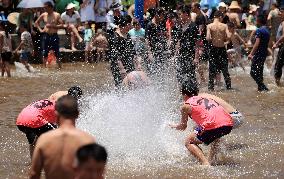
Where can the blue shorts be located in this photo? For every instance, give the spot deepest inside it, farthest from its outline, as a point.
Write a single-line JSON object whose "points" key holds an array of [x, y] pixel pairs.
{"points": [[25, 56], [50, 42]]}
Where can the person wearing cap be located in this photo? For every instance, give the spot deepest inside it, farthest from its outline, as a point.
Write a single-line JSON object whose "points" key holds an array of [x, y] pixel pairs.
{"points": [[218, 35], [72, 21], [222, 7], [53, 22], [233, 15], [259, 52], [113, 16], [55, 151], [39, 117], [211, 117]]}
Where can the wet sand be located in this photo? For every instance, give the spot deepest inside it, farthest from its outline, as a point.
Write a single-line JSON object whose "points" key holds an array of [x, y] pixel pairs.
{"points": [[256, 150]]}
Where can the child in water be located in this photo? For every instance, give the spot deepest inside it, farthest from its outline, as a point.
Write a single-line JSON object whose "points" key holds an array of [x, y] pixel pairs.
{"points": [[5, 49], [211, 114], [88, 33]]}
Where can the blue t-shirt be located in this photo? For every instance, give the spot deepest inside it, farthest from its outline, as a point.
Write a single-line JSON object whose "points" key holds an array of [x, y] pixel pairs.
{"points": [[264, 35], [138, 38]]}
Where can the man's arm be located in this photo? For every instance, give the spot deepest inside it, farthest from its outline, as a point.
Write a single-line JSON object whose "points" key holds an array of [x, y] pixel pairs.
{"points": [[40, 18], [185, 111], [281, 39], [208, 34], [19, 47], [37, 162], [255, 46], [1, 42]]}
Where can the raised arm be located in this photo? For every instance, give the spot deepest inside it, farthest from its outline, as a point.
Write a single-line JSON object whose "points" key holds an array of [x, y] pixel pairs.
{"points": [[40, 18]]}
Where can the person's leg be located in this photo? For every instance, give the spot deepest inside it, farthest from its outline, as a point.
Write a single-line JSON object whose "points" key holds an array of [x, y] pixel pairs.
{"points": [[7, 69], [278, 65], [55, 47], [73, 40], [191, 144], [45, 48], [76, 33], [256, 72], [2, 69], [224, 68], [215, 148], [212, 73]]}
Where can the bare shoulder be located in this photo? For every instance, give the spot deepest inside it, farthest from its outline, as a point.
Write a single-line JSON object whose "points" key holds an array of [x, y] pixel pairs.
{"points": [[47, 137], [185, 108]]}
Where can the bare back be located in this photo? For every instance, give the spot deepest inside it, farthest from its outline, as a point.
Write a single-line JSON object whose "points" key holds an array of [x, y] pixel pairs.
{"points": [[218, 33], [55, 151]]}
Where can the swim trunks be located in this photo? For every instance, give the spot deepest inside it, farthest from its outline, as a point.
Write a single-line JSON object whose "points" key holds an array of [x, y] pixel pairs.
{"points": [[33, 133], [208, 136]]}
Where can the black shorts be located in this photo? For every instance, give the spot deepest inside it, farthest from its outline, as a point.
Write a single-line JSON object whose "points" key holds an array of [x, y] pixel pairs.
{"points": [[33, 133], [6, 56], [209, 136]]}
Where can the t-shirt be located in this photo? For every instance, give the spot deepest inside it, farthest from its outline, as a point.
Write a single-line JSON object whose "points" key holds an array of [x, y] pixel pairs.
{"points": [[26, 38], [70, 19], [87, 13], [264, 35], [156, 34], [88, 33], [138, 38]]}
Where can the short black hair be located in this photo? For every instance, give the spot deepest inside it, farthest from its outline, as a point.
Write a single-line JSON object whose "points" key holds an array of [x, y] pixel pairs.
{"points": [[49, 4], [67, 107], [159, 11], [76, 92], [185, 9], [197, 5], [124, 20], [261, 19], [190, 89], [218, 14], [231, 25], [24, 25], [91, 151]]}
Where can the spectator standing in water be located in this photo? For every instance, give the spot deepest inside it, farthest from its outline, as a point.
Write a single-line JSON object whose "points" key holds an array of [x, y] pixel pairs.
{"points": [[187, 38], [156, 39], [55, 150], [90, 162], [5, 49], [53, 22], [218, 34], [259, 53]]}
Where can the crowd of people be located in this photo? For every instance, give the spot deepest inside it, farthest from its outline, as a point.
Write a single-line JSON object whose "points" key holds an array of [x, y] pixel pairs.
{"points": [[191, 33]]}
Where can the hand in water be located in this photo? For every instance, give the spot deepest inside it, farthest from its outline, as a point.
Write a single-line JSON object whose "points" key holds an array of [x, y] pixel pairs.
{"points": [[178, 126]]}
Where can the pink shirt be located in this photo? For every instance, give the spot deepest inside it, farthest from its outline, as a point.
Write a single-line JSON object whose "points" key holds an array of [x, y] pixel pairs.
{"points": [[37, 114], [208, 114]]}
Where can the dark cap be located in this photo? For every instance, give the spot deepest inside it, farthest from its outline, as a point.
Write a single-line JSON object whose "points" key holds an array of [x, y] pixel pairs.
{"points": [[76, 92], [115, 5]]}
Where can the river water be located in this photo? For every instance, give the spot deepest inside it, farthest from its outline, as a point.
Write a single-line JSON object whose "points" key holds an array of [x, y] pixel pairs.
{"points": [[134, 125]]}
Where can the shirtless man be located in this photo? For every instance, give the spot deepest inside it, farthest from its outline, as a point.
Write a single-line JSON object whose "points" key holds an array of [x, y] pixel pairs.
{"points": [[135, 79], [53, 22], [217, 33], [55, 151], [39, 117], [100, 44]]}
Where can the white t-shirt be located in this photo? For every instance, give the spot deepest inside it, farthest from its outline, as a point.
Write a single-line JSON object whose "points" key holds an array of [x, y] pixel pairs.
{"points": [[70, 19], [88, 13], [26, 38]]}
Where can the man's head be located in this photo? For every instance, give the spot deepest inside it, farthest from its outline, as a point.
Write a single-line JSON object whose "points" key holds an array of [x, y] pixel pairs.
{"points": [[48, 6], [70, 8], [67, 107], [189, 90], [76, 92], [274, 6], [136, 24], [90, 162], [115, 7], [184, 13], [125, 23], [218, 15], [231, 26], [196, 7], [159, 14], [261, 20]]}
